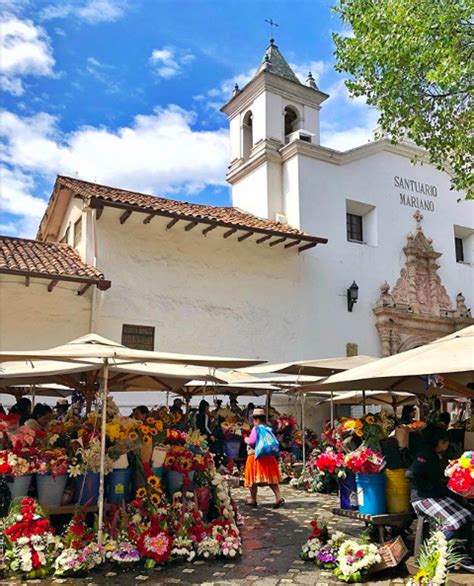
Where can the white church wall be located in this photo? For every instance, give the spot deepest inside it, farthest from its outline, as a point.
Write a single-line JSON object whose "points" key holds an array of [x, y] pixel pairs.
{"points": [[202, 294], [249, 193], [32, 318]]}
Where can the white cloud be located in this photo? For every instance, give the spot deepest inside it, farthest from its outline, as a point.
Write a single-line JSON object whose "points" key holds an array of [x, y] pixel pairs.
{"points": [[158, 153], [170, 61], [317, 68], [349, 138], [91, 11], [25, 51], [17, 195]]}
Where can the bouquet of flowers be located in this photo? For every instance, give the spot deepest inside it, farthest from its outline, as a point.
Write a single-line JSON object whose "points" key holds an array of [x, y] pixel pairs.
{"points": [[285, 421], [208, 548], [30, 543], [24, 437], [179, 459], [287, 459], [355, 559], [365, 461], [81, 553], [461, 475], [327, 555], [85, 459], [437, 557], [183, 547], [155, 545], [19, 463], [151, 431], [331, 462], [54, 462], [232, 429], [319, 536], [228, 537]]}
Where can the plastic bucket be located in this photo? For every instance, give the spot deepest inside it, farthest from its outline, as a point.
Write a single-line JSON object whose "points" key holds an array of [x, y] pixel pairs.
{"points": [[232, 449], [397, 491], [50, 490], [119, 486], [158, 472], [20, 486], [89, 484], [371, 493], [348, 493], [176, 480]]}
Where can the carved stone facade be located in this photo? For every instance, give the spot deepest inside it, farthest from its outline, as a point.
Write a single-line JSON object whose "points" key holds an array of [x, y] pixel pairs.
{"points": [[418, 310]]}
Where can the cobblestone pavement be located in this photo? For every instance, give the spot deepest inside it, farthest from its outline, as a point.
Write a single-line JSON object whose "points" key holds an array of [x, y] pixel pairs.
{"points": [[272, 543]]}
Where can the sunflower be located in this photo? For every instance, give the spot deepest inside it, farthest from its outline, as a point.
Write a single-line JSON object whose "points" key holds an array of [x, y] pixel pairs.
{"points": [[186, 465], [370, 419], [153, 481], [141, 493], [359, 433], [147, 440], [150, 420], [155, 499], [159, 425], [133, 436], [153, 431]]}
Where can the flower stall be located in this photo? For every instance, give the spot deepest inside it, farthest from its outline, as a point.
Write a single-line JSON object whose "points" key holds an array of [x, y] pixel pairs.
{"points": [[166, 501], [461, 475]]}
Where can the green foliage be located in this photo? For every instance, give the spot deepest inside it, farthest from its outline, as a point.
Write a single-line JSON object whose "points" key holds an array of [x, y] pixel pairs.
{"points": [[414, 61]]}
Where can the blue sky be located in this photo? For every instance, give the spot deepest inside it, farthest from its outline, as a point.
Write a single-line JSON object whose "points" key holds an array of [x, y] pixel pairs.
{"points": [[127, 92]]}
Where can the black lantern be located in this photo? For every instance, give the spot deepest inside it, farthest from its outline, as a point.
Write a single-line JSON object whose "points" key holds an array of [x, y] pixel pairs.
{"points": [[352, 295]]}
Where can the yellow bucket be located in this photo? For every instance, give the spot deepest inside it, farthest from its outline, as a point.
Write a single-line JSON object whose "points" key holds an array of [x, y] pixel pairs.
{"points": [[397, 490]]}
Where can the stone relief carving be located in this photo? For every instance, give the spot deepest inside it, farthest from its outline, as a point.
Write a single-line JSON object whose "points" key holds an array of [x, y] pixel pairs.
{"points": [[418, 309]]}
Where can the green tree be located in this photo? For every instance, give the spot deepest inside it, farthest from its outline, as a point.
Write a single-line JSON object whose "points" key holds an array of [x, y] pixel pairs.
{"points": [[414, 61]]}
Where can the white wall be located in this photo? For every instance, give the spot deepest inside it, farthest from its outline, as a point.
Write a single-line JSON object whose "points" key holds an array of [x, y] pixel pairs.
{"points": [[32, 318]]}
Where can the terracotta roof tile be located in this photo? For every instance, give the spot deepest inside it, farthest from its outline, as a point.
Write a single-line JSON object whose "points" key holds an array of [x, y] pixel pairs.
{"points": [[48, 259], [228, 215]]}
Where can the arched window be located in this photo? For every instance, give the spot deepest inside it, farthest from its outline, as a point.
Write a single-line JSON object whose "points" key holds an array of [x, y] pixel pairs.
{"points": [[247, 134], [291, 120]]}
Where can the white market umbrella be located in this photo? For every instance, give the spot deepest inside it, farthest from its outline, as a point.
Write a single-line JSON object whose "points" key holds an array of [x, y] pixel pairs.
{"points": [[316, 367], [95, 346], [451, 357]]}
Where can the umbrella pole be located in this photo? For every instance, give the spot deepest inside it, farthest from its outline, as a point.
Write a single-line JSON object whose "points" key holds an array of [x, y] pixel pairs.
{"points": [[33, 395], [104, 384], [303, 401], [364, 405], [267, 405], [332, 409]]}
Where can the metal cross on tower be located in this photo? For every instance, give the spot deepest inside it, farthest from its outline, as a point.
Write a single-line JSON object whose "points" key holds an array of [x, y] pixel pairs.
{"points": [[272, 24]]}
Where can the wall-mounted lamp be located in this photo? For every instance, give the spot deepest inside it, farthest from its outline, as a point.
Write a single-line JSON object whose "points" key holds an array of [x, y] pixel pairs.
{"points": [[352, 295]]}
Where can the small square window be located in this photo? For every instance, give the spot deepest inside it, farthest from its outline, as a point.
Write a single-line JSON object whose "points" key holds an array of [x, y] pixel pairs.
{"points": [[354, 227], [459, 245], [138, 337], [77, 231]]}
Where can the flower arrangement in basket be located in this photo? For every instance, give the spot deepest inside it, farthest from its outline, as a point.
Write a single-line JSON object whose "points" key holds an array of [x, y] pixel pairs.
{"points": [[30, 544], [461, 475], [365, 461], [354, 560]]}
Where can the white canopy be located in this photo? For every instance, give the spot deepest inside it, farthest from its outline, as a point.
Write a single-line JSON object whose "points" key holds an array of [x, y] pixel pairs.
{"points": [[95, 346], [321, 367], [452, 357]]}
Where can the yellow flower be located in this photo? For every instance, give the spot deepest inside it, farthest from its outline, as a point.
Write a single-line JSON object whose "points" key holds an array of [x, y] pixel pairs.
{"points": [[350, 424], [159, 425], [155, 499], [153, 431], [147, 440], [465, 462], [359, 433], [150, 420], [370, 419], [153, 481], [133, 436], [141, 493], [420, 577]]}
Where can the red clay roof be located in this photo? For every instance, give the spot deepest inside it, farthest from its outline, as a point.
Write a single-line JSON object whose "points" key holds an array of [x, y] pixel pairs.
{"points": [[226, 216], [46, 259]]}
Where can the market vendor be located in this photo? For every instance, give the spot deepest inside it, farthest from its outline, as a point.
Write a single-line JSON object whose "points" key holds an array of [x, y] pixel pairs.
{"points": [[141, 413], [203, 421], [41, 416], [430, 496], [22, 408]]}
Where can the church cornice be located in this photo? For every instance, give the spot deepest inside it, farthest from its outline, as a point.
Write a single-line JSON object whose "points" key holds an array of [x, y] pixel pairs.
{"points": [[266, 81], [322, 153], [263, 152]]}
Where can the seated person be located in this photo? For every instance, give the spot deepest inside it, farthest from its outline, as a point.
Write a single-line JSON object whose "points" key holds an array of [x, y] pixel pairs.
{"points": [[41, 416], [141, 413], [430, 496]]}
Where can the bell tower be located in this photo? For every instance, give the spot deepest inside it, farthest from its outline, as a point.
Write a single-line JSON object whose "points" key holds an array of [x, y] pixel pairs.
{"points": [[271, 111]]}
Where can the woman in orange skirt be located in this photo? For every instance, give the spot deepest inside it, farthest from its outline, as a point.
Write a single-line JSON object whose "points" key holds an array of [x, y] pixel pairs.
{"points": [[263, 471]]}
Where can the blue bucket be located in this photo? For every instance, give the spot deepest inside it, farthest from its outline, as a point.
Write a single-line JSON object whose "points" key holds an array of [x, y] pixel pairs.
{"points": [[90, 492], [348, 493], [119, 486], [232, 448], [371, 494]]}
